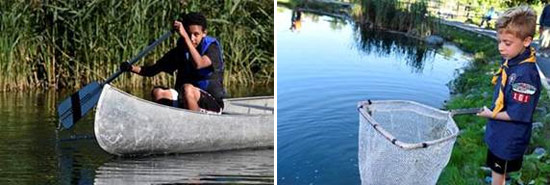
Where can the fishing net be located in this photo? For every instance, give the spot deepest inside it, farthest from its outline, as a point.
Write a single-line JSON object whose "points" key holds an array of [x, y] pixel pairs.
{"points": [[403, 142]]}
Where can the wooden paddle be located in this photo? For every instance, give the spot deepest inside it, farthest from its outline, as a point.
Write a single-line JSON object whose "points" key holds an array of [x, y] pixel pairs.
{"points": [[81, 102]]}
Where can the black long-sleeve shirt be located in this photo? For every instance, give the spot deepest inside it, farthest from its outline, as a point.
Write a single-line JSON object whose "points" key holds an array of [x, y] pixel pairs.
{"points": [[187, 72]]}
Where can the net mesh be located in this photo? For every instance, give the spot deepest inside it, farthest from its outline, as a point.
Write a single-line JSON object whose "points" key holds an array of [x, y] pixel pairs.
{"points": [[422, 137]]}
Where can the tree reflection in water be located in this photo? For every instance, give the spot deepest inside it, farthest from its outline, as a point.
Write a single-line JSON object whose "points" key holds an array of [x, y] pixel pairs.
{"points": [[381, 43]]}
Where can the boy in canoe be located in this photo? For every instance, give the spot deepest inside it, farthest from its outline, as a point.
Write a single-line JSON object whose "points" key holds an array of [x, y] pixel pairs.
{"points": [[516, 93], [197, 58]]}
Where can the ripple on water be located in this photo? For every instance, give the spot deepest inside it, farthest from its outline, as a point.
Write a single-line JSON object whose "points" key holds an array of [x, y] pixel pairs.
{"points": [[246, 166]]}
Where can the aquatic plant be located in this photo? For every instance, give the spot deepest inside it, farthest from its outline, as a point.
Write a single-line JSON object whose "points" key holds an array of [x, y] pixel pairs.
{"points": [[67, 44]]}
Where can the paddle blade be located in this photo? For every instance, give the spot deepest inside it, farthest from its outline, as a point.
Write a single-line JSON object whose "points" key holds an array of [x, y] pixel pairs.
{"points": [[78, 104]]}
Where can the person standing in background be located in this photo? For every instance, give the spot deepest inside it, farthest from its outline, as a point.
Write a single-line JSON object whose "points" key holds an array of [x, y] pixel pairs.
{"points": [[544, 29]]}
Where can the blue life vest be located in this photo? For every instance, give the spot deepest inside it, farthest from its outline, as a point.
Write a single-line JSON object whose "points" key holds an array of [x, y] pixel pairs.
{"points": [[209, 73]]}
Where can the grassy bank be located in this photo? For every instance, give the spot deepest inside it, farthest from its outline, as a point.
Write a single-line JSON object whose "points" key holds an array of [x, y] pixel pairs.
{"points": [[473, 89], [66, 44]]}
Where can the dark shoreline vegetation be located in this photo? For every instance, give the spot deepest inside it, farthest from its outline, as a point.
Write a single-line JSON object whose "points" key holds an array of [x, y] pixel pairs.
{"points": [[68, 44], [471, 88], [409, 18]]}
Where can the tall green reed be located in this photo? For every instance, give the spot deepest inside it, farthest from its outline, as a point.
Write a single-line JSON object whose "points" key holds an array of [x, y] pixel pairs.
{"points": [[67, 44]]}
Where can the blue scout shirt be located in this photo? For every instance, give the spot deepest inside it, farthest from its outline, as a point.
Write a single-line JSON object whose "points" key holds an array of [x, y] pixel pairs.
{"points": [[509, 139]]}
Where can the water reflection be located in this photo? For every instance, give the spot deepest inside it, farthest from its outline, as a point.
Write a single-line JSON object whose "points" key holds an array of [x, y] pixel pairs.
{"points": [[414, 51], [296, 20], [33, 152], [231, 167], [76, 161], [337, 21]]}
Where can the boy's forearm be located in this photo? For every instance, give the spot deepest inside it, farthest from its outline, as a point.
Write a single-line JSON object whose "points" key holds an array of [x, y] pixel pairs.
{"points": [[500, 116], [503, 116], [139, 70], [199, 61]]}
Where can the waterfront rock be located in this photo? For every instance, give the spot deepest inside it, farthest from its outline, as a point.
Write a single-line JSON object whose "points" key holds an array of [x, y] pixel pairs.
{"points": [[537, 125], [539, 152], [486, 170], [434, 39], [541, 109]]}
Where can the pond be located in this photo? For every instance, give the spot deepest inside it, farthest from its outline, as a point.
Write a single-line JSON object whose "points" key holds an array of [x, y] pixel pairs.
{"points": [[325, 65], [33, 151]]}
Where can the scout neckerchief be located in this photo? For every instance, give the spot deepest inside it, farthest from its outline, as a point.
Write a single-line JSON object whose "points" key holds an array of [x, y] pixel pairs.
{"points": [[499, 103]]}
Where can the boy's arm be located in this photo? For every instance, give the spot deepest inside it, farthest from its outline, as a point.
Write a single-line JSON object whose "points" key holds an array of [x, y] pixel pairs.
{"points": [[199, 61], [164, 64], [489, 114], [521, 98]]}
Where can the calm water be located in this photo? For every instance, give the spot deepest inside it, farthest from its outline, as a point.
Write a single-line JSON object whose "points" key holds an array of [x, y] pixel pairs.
{"points": [[326, 67], [33, 152]]}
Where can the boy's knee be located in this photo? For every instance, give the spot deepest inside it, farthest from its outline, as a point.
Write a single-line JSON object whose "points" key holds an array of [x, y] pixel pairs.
{"points": [[188, 87], [159, 93], [188, 90], [155, 93]]}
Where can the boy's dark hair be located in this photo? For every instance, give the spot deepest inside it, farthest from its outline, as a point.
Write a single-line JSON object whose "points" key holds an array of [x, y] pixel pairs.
{"points": [[193, 18]]}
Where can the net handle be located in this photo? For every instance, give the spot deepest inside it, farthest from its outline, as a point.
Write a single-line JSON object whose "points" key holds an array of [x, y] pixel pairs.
{"points": [[456, 112], [395, 141]]}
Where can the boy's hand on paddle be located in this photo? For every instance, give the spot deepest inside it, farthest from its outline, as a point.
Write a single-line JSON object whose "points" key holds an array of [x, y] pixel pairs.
{"points": [[486, 112], [178, 26], [125, 66]]}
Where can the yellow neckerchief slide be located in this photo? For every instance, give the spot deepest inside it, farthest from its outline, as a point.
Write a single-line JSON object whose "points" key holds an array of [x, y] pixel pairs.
{"points": [[499, 103]]}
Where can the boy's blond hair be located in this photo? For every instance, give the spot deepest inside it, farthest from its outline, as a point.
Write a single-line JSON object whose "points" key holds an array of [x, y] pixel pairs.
{"points": [[519, 21]]}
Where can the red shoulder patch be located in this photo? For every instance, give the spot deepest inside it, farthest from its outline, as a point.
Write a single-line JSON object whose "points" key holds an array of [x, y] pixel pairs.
{"points": [[520, 97]]}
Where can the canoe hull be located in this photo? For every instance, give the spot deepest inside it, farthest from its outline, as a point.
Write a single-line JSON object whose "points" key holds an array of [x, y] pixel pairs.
{"points": [[125, 124]]}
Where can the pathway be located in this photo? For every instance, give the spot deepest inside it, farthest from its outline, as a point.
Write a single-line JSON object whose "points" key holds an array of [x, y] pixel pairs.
{"points": [[543, 63]]}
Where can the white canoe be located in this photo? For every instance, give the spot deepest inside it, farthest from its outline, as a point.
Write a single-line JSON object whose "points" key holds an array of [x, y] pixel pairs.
{"points": [[125, 124]]}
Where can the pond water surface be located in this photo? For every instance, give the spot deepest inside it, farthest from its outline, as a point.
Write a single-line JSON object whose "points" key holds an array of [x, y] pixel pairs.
{"points": [[324, 67], [33, 151]]}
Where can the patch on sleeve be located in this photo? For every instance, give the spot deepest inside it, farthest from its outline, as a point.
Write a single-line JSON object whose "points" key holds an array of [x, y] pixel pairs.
{"points": [[524, 88], [512, 78], [522, 92], [522, 98]]}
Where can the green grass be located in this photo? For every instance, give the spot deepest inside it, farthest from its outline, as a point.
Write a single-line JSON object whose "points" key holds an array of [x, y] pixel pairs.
{"points": [[67, 44]]}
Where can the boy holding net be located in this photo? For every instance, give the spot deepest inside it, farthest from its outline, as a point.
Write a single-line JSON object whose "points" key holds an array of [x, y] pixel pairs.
{"points": [[516, 93]]}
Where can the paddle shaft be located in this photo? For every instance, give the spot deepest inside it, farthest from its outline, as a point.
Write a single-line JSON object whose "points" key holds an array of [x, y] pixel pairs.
{"points": [[140, 55], [81, 102], [455, 112]]}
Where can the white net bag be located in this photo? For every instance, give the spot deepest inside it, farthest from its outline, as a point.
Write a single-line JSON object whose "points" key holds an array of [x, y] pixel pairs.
{"points": [[403, 142]]}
